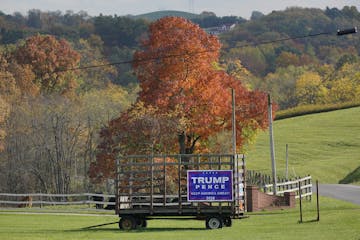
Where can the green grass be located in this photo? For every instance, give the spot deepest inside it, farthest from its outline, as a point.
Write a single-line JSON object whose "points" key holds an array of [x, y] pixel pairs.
{"points": [[324, 145], [338, 220]]}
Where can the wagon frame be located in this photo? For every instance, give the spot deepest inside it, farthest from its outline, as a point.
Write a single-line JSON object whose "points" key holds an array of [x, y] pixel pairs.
{"points": [[155, 186]]}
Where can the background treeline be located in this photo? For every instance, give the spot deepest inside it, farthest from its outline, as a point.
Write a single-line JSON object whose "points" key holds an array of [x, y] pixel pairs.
{"points": [[312, 70], [283, 68], [50, 118]]}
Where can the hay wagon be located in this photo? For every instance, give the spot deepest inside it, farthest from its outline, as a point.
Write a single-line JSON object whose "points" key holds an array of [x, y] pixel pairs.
{"points": [[207, 187]]}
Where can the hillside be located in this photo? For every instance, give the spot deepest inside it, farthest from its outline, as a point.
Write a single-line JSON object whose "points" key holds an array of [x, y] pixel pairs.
{"points": [[325, 145], [160, 14]]}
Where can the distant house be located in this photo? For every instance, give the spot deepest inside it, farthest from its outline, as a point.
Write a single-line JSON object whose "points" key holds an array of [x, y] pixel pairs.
{"points": [[220, 29]]}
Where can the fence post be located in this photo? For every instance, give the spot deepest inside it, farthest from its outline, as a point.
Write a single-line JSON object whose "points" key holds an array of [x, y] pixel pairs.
{"points": [[287, 162], [317, 201], [300, 198], [310, 188], [89, 199]]}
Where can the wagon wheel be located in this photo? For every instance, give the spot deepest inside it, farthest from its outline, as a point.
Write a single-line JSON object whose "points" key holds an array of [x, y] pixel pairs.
{"points": [[227, 221], [127, 223], [141, 222], [213, 222]]}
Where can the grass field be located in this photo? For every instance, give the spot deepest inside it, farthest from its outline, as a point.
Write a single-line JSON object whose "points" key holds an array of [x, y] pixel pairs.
{"points": [[338, 220], [325, 145]]}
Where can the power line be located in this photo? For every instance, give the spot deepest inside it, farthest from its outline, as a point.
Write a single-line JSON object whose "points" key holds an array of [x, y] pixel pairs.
{"points": [[135, 61], [284, 39], [339, 33]]}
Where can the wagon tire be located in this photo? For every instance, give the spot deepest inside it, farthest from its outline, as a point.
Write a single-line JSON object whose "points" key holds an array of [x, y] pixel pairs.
{"points": [[141, 222], [227, 221], [213, 222], [127, 223]]}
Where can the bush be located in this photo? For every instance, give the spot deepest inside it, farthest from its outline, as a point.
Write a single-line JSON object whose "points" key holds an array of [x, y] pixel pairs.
{"points": [[311, 109]]}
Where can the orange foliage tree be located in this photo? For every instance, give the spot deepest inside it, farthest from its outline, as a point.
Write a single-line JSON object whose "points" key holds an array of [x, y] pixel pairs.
{"points": [[48, 59], [183, 95], [32, 68]]}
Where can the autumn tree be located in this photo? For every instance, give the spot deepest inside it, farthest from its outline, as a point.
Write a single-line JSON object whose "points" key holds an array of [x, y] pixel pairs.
{"points": [[252, 58], [286, 59], [4, 111], [34, 68], [99, 106], [39, 65], [310, 89], [91, 51], [282, 85], [235, 69], [344, 83], [13, 81], [179, 82], [183, 80], [48, 58], [42, 145], [10, 72]]}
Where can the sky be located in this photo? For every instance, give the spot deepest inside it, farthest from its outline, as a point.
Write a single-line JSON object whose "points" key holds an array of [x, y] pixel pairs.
{"points": [[242, 8]]}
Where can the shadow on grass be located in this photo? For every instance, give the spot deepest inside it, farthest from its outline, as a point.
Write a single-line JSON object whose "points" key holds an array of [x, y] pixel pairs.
{"points": [[309, 221], [354, 176], [97, 228], [267, 213], [140, 230]]}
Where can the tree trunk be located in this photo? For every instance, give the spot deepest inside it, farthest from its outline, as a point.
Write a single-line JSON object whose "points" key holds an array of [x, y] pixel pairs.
{"points": [[182, 143], [187, 146]]}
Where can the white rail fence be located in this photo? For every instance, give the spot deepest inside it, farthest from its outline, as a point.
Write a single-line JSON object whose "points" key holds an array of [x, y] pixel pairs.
{"points": [[292, 186], [265, 183], [43, 199], [107, 201]]}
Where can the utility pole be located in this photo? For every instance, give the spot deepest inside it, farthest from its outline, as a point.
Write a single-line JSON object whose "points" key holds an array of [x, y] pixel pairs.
{"points": [[233, 121], [272, 147], [287, 162]]}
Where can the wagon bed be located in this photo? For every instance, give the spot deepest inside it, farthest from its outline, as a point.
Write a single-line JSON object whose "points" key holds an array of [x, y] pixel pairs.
{"points": [[151, 186]]}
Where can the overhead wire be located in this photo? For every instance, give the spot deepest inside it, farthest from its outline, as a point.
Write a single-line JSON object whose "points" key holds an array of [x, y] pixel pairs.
{"points": [[339, 32], [195, 53], [134, 61]]}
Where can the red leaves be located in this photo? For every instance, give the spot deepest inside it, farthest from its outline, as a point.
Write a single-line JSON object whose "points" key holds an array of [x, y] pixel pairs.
{"points": [[182, 80], [48, 58]]}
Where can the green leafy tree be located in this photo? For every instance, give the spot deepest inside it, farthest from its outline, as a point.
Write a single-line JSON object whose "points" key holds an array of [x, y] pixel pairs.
{"points": [[282, 85], [310, 89], [92, 54], [119, 31]]}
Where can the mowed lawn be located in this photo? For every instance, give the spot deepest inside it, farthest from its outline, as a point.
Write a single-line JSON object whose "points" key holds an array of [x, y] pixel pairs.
{"points": [[339, 220], [325, 146]]}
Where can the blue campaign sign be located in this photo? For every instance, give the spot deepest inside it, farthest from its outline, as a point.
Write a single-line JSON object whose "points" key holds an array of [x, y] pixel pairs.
{"points": [[209, 185]]}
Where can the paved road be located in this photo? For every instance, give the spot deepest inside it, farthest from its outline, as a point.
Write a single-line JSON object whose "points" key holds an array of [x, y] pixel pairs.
{"points": [[344, 192]]}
